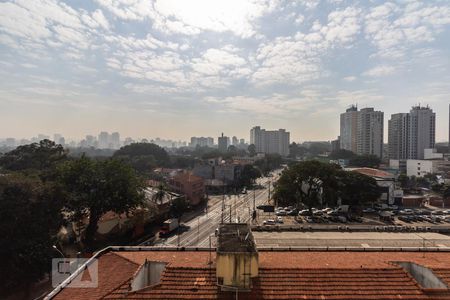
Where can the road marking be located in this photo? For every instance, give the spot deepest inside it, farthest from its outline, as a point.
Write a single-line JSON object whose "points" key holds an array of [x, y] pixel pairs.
{"points": [[365, 245]]}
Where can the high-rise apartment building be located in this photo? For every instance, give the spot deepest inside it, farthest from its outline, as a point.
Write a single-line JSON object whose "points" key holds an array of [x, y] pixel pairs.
{"points": [[422, 131], [362, 131], [201, 142], [349, 127], [270, 141], [235, 141], [103, 140], [223, 143], [114, 142], [411, 133], [398, 136], [370, 132]]}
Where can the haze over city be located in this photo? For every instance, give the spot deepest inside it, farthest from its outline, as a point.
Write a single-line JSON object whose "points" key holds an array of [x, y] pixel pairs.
{"points": [[176, 69]]}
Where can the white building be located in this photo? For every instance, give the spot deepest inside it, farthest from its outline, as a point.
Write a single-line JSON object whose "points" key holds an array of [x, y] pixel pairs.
{"points": [[270, 141], [398, 133], [370, 131], [349, 127], [422, 131], [201, 142], [223, 143]]}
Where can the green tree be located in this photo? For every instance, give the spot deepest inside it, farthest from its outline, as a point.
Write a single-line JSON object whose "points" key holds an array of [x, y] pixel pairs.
{"points": [[30, 217], [251, 150], [143, 157], [369, 161], [178, 206], [403, 180], [295, 150], [342, 154], [38, 156], [357, 189], [269, 163], [310, 183], [96, 187], [161, 193], [248, 175]]}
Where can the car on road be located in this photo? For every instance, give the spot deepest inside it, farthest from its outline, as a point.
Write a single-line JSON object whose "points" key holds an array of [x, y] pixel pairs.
{"points": [[269, 222]]}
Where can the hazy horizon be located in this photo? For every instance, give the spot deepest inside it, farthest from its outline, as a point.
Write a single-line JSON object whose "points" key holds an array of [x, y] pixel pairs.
{"points": [[175, 69]]}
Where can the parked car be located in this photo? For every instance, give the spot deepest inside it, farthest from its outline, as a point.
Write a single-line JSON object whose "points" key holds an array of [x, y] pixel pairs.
{"points": [[369, 210], [279, 220], [269, 222], [406, 211], [281, 213], [309, 219]]}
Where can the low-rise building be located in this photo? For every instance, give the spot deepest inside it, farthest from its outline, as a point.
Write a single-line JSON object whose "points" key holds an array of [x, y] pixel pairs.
{"points": [[190, 185], [385, 181], [237, 269]]}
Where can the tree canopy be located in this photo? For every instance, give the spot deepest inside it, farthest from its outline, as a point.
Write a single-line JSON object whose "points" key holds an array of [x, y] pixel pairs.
{"points": [[369, 161], [248, 175], [143, 157], [30, 217], [96, 187], [38, 156], [313, 183], [269, 163]]}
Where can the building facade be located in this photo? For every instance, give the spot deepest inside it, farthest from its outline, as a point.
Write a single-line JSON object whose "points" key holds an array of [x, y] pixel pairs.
{"points": [[223, 143], [422, 131], [270, 141], [370, 131], [193, 187], [398, 136], [349, 127]]}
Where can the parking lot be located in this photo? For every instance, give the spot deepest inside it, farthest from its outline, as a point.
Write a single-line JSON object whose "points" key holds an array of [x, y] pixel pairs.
{"points": [[350, 239], [369, 216]]}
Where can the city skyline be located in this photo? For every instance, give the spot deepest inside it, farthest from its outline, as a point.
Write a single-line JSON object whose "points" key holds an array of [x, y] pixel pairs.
{"points": [[172, 69]]}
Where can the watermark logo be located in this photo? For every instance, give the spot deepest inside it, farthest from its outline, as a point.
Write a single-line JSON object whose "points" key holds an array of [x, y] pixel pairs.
{"points": [[86, 274]]}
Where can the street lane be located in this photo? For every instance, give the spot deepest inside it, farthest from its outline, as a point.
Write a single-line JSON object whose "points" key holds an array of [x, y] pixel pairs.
{"points": [[204, 226]]}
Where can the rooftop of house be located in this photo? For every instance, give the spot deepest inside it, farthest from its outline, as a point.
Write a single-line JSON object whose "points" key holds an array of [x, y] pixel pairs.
{"points": [[187, 177], [282, 275], [235, 237], [373, 172]]}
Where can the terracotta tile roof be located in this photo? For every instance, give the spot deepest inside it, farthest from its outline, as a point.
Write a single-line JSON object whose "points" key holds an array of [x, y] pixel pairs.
{"points": [[373, 172], [282, 275], [187, 177], [113, 271]]}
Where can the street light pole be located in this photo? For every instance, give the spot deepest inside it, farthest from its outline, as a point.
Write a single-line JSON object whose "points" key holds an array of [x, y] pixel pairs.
{"points": [[56, 248]]}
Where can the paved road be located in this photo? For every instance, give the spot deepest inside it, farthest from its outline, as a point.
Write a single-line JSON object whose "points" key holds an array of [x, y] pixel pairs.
{"points": [[204, 226], [351, 239]]}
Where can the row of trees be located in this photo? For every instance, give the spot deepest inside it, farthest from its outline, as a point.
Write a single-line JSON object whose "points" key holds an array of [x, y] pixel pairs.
{"points": [[41, 188], [370, 161], [313, 184]]}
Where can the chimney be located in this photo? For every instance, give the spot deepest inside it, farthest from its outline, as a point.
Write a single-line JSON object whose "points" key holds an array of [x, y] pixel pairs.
{"points": [[237, 257]]}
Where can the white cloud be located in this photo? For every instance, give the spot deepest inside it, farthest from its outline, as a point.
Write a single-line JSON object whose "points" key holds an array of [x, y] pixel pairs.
{"points": [[380, 71], [99, 17], [350, 78], [193, 17]]}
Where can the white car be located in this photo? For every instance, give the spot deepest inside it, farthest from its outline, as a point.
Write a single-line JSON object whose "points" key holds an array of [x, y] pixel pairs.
{"points": [[269, 222], [280, 220]]}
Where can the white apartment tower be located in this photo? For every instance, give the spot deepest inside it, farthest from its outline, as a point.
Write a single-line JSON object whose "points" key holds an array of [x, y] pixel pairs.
{"points": [[398, 136], [370, 132], [422, 131], [270, 141], [349, 127]]}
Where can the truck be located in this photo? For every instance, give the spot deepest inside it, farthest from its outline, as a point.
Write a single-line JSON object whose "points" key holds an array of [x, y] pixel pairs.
{"points": [[168, 227]]}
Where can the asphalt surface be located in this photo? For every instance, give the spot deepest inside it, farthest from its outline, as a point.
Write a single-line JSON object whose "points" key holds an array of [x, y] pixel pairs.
{"points": [[202, 227], [350, 239]]}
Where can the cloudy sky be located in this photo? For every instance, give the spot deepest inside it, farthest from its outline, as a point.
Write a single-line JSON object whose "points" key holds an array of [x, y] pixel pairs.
{"points": [[177, 68]]}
